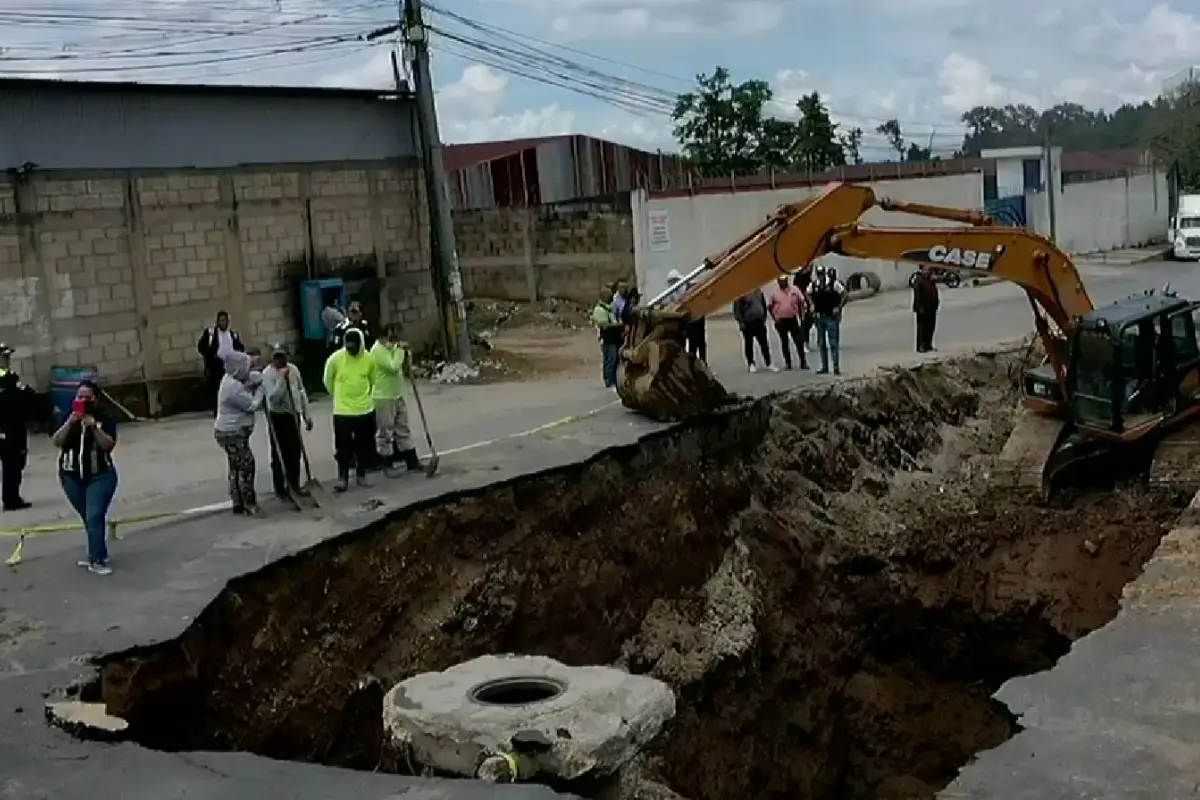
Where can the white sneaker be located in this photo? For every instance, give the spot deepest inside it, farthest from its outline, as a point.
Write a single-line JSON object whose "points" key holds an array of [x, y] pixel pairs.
{"points": [[773, 368], [99, 569], [753, 368]]}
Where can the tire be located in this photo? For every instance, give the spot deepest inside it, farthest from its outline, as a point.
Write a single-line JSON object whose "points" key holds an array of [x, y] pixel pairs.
{"points": [[953, 280]]}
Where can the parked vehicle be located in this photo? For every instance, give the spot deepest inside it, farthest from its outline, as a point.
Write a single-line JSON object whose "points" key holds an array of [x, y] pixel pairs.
{"points": [[945, 276], [1184, 233]]}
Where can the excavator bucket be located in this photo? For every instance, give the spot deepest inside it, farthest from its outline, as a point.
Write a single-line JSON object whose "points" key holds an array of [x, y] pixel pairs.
{"points": [[658, 378]]}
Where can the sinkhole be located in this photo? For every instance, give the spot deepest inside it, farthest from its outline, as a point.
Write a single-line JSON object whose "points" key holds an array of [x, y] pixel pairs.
{"points": [[830, 583]]}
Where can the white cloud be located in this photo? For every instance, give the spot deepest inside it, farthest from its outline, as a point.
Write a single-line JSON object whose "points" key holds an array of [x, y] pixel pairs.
{"points": [[592, 19]]}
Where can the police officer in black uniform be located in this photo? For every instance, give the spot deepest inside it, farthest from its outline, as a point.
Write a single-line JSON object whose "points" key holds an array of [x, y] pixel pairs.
{"points": [[17, 406], [354, 319]]}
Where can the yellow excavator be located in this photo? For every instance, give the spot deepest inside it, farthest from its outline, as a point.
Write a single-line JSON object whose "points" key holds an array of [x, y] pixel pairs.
{"points": [[1114, 380]]}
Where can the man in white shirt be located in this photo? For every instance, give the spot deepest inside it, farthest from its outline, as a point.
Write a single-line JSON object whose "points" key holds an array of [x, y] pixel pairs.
{"points": [[214, 345]]}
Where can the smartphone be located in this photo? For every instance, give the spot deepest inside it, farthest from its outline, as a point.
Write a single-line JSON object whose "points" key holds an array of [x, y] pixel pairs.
{"points": [[79, 407]]}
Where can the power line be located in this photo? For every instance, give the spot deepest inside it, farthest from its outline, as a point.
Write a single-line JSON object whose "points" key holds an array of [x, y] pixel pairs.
{"points": [[542, 46]]}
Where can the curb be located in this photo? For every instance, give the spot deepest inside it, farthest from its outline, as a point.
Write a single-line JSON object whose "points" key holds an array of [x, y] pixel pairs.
{"points": [[1102, 257]]}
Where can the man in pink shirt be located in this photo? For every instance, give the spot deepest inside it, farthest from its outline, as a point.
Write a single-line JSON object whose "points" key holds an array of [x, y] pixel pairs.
{"points": [[788, 307]]}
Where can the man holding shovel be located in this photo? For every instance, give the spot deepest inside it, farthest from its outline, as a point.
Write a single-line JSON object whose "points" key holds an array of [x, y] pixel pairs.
{"points": [[393, 442], [287, 406]]}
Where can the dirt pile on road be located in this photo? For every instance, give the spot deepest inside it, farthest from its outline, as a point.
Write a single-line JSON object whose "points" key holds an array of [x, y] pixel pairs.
{"points": [[828, 581]]}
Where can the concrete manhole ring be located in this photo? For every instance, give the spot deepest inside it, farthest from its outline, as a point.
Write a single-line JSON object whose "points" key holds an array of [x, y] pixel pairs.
{"points": [[517, 691], [593, 719]]}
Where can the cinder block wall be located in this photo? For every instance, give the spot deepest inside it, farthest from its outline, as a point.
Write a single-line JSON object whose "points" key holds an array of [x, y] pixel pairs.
{"points": [[121, 272], [528, 253]]}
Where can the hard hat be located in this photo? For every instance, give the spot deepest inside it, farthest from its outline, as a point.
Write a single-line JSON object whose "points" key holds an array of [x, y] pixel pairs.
{"points": [[674, 276]]}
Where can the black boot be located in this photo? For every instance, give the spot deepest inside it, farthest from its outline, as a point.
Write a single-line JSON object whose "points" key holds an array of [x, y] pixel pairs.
{"points": [[343, 481], [411, 461]]}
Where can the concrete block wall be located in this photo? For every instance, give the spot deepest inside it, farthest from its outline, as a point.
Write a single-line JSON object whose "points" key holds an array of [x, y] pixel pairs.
{"points": [[121, 272], [529, 253], [1091, 217]]}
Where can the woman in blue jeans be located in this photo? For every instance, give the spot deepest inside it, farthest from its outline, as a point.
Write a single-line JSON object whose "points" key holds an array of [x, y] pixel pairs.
{"points": [[85, 468]]}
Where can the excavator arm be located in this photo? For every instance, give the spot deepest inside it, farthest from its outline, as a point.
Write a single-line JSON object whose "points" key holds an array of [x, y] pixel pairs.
{"points": [[661, 380]]}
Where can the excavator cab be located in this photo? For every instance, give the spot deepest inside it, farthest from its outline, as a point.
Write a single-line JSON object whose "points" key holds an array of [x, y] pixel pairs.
{"points": [[1133, 367]]}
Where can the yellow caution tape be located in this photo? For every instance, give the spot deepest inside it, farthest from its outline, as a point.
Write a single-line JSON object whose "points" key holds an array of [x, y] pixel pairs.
{"points": [[22, 534]]}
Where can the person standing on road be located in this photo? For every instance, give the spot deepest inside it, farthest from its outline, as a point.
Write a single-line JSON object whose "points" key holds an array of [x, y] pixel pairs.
{"points": [[611, 333], [750, 313], [828, 298], [287, 409], [350, 376], [788, 306], [86, 471], [695, 333], [214, 345], [240, 396], [17, 409], [802, 280], [393, 441], [925, 308], [353, 321]]}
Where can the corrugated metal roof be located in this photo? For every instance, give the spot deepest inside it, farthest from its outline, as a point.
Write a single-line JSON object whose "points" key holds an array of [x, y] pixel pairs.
{"points": [[211, 89], [459, 156], [1104, 160]]}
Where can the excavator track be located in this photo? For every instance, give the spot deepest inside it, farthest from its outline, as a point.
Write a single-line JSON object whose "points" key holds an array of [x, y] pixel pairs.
{"points": [[1026, 454]]}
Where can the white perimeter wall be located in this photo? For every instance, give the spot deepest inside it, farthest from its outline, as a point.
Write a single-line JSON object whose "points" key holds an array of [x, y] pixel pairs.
{"points": [[686, 230], [1105, 215]]}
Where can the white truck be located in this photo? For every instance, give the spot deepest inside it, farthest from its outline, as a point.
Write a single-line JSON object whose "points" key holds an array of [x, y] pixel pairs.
{"points": [[1184, 234]]}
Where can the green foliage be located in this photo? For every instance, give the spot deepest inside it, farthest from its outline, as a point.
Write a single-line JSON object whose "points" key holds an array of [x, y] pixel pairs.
{"points": [[1172, 133], [1072, 126], [727, 128]]}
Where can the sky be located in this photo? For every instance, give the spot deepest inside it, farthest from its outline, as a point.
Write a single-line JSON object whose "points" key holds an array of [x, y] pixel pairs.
{"points": [[616, 64]]}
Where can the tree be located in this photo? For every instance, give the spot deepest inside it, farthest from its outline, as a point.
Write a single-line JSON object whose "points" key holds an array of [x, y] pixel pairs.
{"points": [[816, 147], [851, 142], [1172, 132], [720, 125], [891, 131], [1074, 127], [917, 153]]}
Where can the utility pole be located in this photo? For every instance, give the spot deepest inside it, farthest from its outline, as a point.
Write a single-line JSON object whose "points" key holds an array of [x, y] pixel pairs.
{"points": [[1051, 186], [445, 249]]}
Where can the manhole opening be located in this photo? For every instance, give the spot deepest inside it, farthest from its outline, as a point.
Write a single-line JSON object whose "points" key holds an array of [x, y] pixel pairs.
{"points": [[517, 691]]}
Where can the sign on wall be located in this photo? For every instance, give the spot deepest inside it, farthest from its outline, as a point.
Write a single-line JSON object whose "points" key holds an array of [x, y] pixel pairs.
{"points": [[659, 229]]}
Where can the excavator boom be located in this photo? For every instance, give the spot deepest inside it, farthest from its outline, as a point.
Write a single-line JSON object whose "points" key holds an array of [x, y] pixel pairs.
{"points": [[656, 373]]}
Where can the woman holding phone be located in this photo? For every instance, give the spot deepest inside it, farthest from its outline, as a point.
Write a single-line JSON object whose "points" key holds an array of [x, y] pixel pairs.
{"points": [[85, 468]]}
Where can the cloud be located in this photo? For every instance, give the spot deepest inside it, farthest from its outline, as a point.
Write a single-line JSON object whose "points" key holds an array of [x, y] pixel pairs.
{"points": [[922, 62]]}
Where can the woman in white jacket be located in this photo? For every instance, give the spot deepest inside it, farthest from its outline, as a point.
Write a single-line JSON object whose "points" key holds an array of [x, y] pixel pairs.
{"points": [[239, 398]]}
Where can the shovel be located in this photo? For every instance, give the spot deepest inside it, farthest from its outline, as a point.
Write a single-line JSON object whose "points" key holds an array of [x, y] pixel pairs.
{"points": [[431, 466], [311, 484], [299, 499]]}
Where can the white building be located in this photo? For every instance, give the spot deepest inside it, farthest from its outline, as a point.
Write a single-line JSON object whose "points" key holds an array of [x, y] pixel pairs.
{"points": [[1021, 170]]}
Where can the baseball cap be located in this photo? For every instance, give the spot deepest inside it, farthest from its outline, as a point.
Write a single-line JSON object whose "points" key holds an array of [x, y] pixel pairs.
{"points": [[5, 350], [280, 349], [356, 306]]}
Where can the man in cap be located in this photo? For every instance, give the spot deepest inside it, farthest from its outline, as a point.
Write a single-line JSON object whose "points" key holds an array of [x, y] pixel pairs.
{"points": [[287, 408], [828, 297], [350, 377], [354, 320], [17, 406], [393, 366]]}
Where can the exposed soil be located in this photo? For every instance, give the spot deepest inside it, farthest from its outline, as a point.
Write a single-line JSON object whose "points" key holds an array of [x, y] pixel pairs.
{"points": [[829, 582]]}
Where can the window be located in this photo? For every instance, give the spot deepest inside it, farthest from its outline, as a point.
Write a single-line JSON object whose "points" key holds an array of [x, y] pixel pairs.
{"points": [[1189, 222], [1032, 168]]}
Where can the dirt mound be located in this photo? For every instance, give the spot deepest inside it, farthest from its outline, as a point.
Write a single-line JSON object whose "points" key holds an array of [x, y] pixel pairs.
{"points": [[827, 580]]}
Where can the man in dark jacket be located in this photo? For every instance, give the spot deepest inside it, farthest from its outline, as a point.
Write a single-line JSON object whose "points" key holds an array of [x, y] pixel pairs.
{"points": [[828, 296], [354, 319], [750, 312], [17, 408], [215, 343], [925, 307]]}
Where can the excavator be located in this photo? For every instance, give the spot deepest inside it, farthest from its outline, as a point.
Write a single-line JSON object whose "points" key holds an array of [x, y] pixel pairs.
{"points": [[1115, 381]]}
